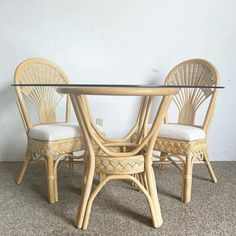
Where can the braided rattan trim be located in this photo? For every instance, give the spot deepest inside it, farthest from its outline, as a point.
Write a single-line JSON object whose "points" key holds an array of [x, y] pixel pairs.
{"points": [[56, 147], [180, 147], [115, 165]]}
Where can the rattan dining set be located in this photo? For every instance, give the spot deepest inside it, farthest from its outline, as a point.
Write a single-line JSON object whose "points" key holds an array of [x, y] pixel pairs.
{"points": [[188, 86]]}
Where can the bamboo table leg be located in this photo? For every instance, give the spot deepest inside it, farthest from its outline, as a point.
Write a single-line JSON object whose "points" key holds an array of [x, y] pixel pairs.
{"points": [[86, 190]]}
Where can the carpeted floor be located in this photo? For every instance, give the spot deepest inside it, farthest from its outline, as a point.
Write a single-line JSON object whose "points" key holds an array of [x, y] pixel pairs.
{"points": [[119, 209]]}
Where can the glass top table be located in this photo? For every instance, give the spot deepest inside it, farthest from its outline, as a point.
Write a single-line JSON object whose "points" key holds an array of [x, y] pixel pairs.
{"points": [[103, 153], [116, 89], [119, 85]]}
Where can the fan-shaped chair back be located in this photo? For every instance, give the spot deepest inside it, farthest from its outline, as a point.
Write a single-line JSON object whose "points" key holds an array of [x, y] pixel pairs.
{"points": [[45, 99], [195, 72]]}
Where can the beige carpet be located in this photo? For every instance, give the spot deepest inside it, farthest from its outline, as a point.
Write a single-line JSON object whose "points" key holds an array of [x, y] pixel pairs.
{"points": [[119, 209]]}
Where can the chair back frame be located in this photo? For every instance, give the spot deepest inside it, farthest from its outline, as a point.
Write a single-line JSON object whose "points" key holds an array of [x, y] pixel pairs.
{"points": [[197, 72], [45, 99]]}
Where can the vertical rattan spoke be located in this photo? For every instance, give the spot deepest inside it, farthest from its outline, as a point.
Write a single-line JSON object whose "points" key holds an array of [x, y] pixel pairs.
{"points": [[194, 72]]}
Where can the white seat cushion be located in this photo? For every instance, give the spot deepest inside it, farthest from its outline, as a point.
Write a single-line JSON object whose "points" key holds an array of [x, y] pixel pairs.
{"points": [[180, 132], [56, 131]]}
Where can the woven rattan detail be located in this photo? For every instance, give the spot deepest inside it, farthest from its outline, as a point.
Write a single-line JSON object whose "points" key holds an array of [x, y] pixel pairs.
{"points": [[55, 148], [178, 147], [114, 165]]}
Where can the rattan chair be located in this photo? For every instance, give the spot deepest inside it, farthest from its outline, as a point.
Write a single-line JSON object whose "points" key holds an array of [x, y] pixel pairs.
{"points": [[185, 140], [50, 140]]}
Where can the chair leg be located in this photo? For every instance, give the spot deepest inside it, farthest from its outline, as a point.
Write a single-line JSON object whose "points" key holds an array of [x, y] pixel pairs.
{"points": [[71, 164], [162, 159], [187, 180], [55, 186], [209, 167], [28, 158], [51, 179]]}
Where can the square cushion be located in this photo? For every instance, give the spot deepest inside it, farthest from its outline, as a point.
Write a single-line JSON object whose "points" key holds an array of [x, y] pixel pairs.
{"points": [[55, 131], [180, 132]]}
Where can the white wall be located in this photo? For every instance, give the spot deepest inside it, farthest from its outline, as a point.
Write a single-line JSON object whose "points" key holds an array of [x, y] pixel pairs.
{"points": [[125, 41]]}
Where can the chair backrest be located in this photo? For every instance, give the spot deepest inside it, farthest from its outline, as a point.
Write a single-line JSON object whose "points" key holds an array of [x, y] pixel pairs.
{"points": [[44, 99], [197, 72]]}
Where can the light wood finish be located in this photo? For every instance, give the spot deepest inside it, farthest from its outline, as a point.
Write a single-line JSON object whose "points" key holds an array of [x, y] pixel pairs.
{"points": [[119, 159], [45, 100], [195, 72]]}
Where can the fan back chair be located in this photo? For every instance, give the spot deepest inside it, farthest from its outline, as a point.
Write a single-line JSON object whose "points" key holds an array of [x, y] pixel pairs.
{"points": [[53, 141], [184, 138], [119, 159]]}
